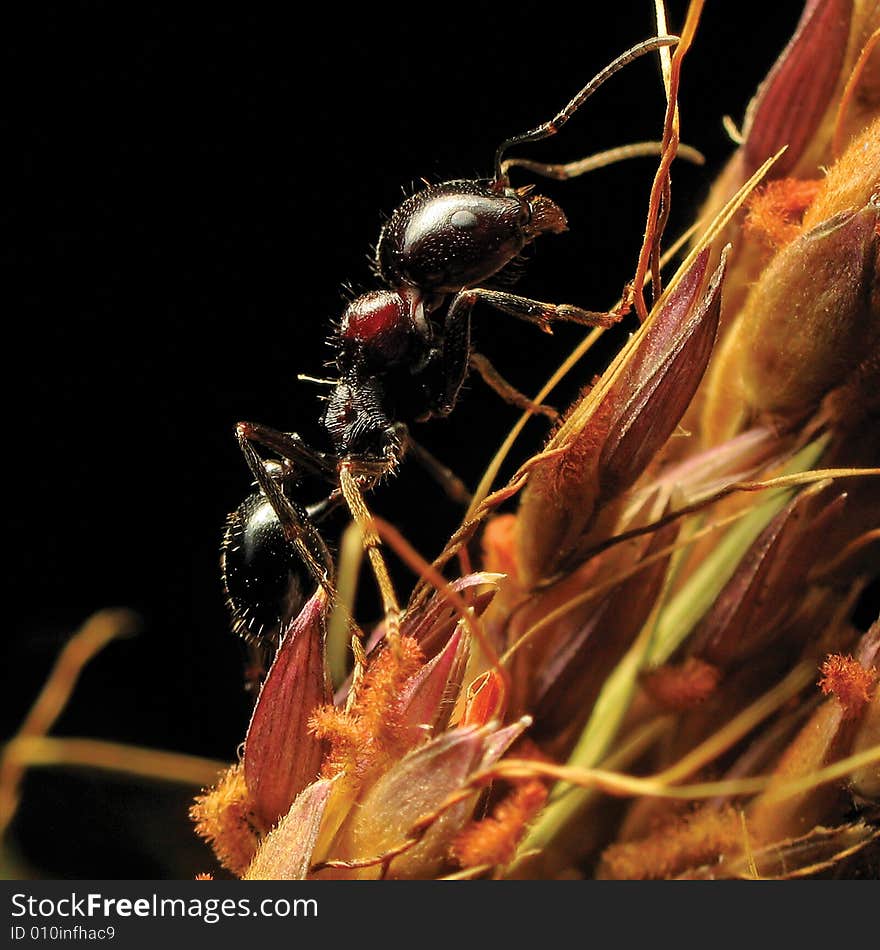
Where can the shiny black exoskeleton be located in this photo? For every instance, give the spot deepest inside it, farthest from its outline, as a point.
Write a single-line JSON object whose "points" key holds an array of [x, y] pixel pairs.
{"points": [[402, 354], [266, 580], [454, 235]]}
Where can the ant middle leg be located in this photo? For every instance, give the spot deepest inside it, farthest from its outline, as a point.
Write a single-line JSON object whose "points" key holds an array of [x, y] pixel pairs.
{"points": [[455, 488], [495, 381], [351, 490], [452, 361]]}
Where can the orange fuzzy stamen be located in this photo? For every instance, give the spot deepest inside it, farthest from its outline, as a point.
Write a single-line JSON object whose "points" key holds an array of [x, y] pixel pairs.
{"points": [[368, 735], [849, 681], [683, 686], [775, 211], [225, 818], [687, 842], [493, 841]]}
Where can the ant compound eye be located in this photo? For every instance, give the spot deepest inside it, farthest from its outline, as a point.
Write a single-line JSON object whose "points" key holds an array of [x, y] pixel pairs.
{"points": [[452, 236], [265, 581], [466, 220]]}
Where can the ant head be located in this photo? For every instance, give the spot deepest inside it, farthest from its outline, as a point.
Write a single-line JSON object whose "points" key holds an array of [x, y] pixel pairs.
{"points": [[459, 234]]}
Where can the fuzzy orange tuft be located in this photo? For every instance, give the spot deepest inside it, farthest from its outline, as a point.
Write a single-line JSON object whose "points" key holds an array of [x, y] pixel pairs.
{"points": [[224, 817], [849, 681], [493, 841], [683, 686], [368, 735], [775, 212], [686, 842], [205, 877], [499, 545], [852, 180]]}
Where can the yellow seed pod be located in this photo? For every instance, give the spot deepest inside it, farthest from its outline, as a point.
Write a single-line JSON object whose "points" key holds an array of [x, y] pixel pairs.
{"points": [[808, 322], [812, 319]]}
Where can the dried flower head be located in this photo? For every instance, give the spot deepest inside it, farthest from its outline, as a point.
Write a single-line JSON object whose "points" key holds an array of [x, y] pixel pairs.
{"points": [[688, 545]]}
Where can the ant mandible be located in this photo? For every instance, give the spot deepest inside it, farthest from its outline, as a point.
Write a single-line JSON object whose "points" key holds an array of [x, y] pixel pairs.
{"points": [[402, 354]]}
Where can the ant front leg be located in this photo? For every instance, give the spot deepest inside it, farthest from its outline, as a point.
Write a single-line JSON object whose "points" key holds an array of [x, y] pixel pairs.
{"points": [[541, 313], [295, 522], [457, 356], [351, 490]]}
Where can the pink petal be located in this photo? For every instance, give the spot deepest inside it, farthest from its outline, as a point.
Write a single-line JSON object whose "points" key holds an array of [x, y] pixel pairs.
{"points": [[281, 756], [675, 354], [433, 624], [286, 853], [797, 92], [416, 787], [639, 411], [429, 697]]}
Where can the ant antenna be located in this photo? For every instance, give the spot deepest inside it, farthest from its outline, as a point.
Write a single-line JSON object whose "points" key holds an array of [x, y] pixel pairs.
{"points": [[599, 160], [546, 129]]}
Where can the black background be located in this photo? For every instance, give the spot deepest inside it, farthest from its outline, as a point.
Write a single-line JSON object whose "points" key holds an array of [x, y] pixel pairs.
{"points": [[189, 192]]}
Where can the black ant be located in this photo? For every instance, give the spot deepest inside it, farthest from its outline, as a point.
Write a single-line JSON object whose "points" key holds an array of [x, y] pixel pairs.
{"points": [[402, 354]]}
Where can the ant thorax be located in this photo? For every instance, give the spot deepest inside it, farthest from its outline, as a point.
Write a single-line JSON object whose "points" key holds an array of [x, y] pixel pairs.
{"points": [[380, 330], [396, 363]]}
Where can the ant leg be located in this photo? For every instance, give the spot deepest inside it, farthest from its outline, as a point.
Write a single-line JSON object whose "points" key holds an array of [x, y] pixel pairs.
{"points": [[546, 129], [539, 312], [451, 360], [494, 380], [371, 541], [454, 487], [291, 447], [294, 520]]}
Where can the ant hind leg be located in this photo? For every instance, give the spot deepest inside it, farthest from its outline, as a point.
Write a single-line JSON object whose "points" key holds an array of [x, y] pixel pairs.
{"points": [[295, 522], [289, 446]]}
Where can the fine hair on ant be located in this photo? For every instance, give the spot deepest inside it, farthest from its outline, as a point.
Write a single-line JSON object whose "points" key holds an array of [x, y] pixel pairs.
{"points": [[402, 353]]}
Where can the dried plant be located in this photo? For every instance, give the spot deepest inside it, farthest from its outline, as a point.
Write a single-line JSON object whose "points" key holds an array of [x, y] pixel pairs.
{"points": [[654, 672], [683, 559]]}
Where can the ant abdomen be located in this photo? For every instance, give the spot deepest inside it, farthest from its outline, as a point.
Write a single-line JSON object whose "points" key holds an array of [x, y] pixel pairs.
{"points": [[265, 580], [459, 234]]}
